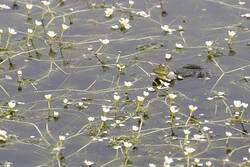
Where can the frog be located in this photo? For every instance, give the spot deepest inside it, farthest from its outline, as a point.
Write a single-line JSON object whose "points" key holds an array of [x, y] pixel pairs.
{"points": [[165, 73]]}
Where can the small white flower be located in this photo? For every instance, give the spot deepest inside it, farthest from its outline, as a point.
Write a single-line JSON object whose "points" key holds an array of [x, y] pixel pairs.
{"points": [[186, 131], [173, 109], [228, 134], [29, 30], [140, 98], [12, 31], [189, 150], [29, 6], [116, 97], [192, 108], [247, 15], [65, 27], [61, 138], [1, 31], [150, 89], [3, 6], [80, 104], [142, 14], [51, 34], [3, 135], [208, 163], [56, 114], [127, 145], [237, 103], [180, 28], [242, 3], [12, 104], [104, 41], [103, 118], [231, 34], [131, 3], [19, 72], [135, 128], [109, 12], [179, 46], [91, 119], [145, 93], [172, 96], [88, 163], [128, 84], [120, 67], [46, 3], [65, 101], [209, 44], [244, 105], [38, 23], [124, 22], [151, 165], [205, 128], [71, 9], [105, 109], [115, 27], [48, 97], [168, 56], [166, 28], [168, 161]]}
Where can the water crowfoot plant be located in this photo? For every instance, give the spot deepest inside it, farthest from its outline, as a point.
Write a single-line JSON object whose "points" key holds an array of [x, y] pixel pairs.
{"points": [[103, 43], [188, 151], [51, 35], [48, 98], [231, 34], [228, 135], [64, 28], [29, 7], [191, 109], [173, 110], [37, 24], [11, 32]]}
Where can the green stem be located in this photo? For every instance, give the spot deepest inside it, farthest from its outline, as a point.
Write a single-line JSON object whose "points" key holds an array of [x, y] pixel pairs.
{"points": [[8, 40]]}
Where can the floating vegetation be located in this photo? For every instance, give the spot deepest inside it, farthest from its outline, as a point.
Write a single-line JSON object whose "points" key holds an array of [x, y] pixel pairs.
{"points": [[124, 83]]}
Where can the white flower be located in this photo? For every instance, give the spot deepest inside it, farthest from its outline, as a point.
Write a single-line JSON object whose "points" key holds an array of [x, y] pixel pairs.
{"points": [[105, 109], [142, 14], [228, 134], [80, 103], [145, 93], [115, 27], [166, 28], [19, 72], [91, 119], [1, 31], [12, 31], [192, 108], [3, 135], [120, 67], [168, 56], [12, 104], [151, 165], [38, 23], [131, 3], [189, 150], [150, 89], [208, 163], [140, 98], [247, 15], [116, 97], [205, 128], [241, 3], [179, 46], [88, 163], [103, 118], [104, 41], [135, 128], [209, 44], [30, 31], [29, 6], [46, 3], [51, 34], [109, 12], [180, 28], [128, 84], [173, 109], [231, 34], [56, 114], [186, 131], [124, 22], [65, 27], [244, 105], [48, 97], [65, 101], [127, 145], [237, 103], [61, 138], [168, 161], [3, 6], [172, 96]]}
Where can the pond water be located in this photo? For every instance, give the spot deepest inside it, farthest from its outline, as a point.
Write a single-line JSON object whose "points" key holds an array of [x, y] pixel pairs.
{"points": [[85, 76]]}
